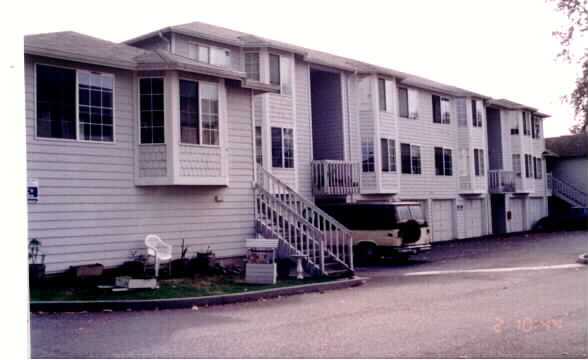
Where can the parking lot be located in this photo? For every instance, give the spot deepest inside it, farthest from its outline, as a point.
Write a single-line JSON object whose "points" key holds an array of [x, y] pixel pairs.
{"points": [[518, 296]]}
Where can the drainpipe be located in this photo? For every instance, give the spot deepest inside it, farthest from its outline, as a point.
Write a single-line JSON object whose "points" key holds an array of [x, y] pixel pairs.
{"points": [[166, 40], [253, 139]]}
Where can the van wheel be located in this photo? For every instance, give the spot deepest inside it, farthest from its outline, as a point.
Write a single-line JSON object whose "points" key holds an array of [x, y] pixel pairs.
{"points": [[366, 253]]}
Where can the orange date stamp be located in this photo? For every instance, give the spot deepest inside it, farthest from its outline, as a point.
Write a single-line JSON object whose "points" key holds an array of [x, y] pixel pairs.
{"points": [[527, 325]]}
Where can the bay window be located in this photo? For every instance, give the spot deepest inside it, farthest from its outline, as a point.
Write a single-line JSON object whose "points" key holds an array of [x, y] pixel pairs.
{"points": [[388, 150], [151, 110], [199, 113]]}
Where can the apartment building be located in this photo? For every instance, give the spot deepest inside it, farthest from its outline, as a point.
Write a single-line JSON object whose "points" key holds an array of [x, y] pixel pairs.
{"points": [[214, 136]]}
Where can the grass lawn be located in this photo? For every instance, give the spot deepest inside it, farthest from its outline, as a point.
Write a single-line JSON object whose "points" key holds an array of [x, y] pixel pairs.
{"points": [[170, 288]]}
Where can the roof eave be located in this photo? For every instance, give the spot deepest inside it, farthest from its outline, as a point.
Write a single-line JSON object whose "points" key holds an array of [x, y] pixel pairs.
{"points": [[52, 53]]}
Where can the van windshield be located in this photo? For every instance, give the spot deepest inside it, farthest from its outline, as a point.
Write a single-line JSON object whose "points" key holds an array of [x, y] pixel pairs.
{"points": [[410, 212]]}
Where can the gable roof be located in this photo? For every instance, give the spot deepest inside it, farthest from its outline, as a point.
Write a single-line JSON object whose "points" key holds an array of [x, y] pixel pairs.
{"points": [[240, 39], [73, 46], [568, 145]]}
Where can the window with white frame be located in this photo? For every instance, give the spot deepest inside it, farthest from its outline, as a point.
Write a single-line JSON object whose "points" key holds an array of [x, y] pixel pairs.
{"points": [[199, 113], [282, 148], [526, 124], [388, 152], [385, 89], [403, 102], [443, 162], [479, 162], [280, 73], [58, 112], [151, 114], [441, 110], [410, 159], [536, 127], [528, 166], [514, 130], [476, 113], [252, 65], [538, 168], [464, 162], [258, 146], [199, 52], [367, 155], [516, 164]]}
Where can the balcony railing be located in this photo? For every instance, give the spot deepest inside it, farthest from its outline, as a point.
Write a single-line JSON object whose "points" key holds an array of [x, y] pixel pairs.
{"points": [[335, 177], [501, 181]]}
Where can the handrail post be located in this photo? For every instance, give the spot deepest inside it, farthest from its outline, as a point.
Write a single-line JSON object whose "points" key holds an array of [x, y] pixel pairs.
{"points": [[322, 254]]}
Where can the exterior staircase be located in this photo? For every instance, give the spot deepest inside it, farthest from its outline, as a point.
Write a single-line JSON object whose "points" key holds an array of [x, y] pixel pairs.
{"points": [[567, 192], [325, 246]]}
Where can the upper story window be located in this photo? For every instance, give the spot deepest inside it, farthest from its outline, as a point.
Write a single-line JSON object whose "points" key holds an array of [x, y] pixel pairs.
{"points": [[441, 110], [385, 88], [56, 104], [367, 155], [528, 166], [526, 124], [514, 130], [388, 149], [479, 162], [410, 159], [476, 113], [199, 113], [210, 54], [443, 162], [536, 127], [280, 73], [282, 148], [538, 168], [252, 65], [407, 103], [151, 110]]}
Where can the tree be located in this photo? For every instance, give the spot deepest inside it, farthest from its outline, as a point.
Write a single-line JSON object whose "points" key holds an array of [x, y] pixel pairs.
{"points": [[577, 14]]}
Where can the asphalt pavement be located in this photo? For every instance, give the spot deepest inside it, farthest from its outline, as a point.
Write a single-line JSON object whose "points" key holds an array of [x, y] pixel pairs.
{"points": [[507, 313]]}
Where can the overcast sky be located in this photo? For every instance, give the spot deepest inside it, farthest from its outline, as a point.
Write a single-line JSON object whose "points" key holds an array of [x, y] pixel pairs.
{"points": [[502, 49]]}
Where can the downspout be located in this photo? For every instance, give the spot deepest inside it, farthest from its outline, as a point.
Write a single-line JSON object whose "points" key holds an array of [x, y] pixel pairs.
{"points": [[253, 139]]}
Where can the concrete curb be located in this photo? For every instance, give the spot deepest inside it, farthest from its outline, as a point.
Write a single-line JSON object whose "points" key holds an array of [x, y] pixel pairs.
{"points": [[176, 303], [583, 259]]}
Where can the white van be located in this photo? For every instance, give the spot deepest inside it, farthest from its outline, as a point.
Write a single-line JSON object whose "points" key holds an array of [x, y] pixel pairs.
{"points": [[384, 228]]}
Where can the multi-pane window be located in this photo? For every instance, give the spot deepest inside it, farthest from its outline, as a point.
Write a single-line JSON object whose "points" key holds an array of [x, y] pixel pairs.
{"points": [[441, 110], [526, 124], [528, 166], [258, 145], [403, 102], [189, 112], [252, 65], [410, 159], [536, 127], [95, 106], [367, 155], [56, 104], [382, 94], [151, 110], [199, 52], [388, 150], [282, 148], [479, 162], [274, 61], [476, 114], [443, 162], [280, 73], [514, 130], [516, 164], [538, 168], [199, 113]]}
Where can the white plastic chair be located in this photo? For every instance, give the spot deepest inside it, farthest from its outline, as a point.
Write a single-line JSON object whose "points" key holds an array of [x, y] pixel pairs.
{"points": [[158, 249]]}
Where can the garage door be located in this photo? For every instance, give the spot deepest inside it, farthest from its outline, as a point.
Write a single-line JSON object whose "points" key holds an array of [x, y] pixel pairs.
{"points": [[535, 210], [472, 210], [516, 209], [442, 220]]}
